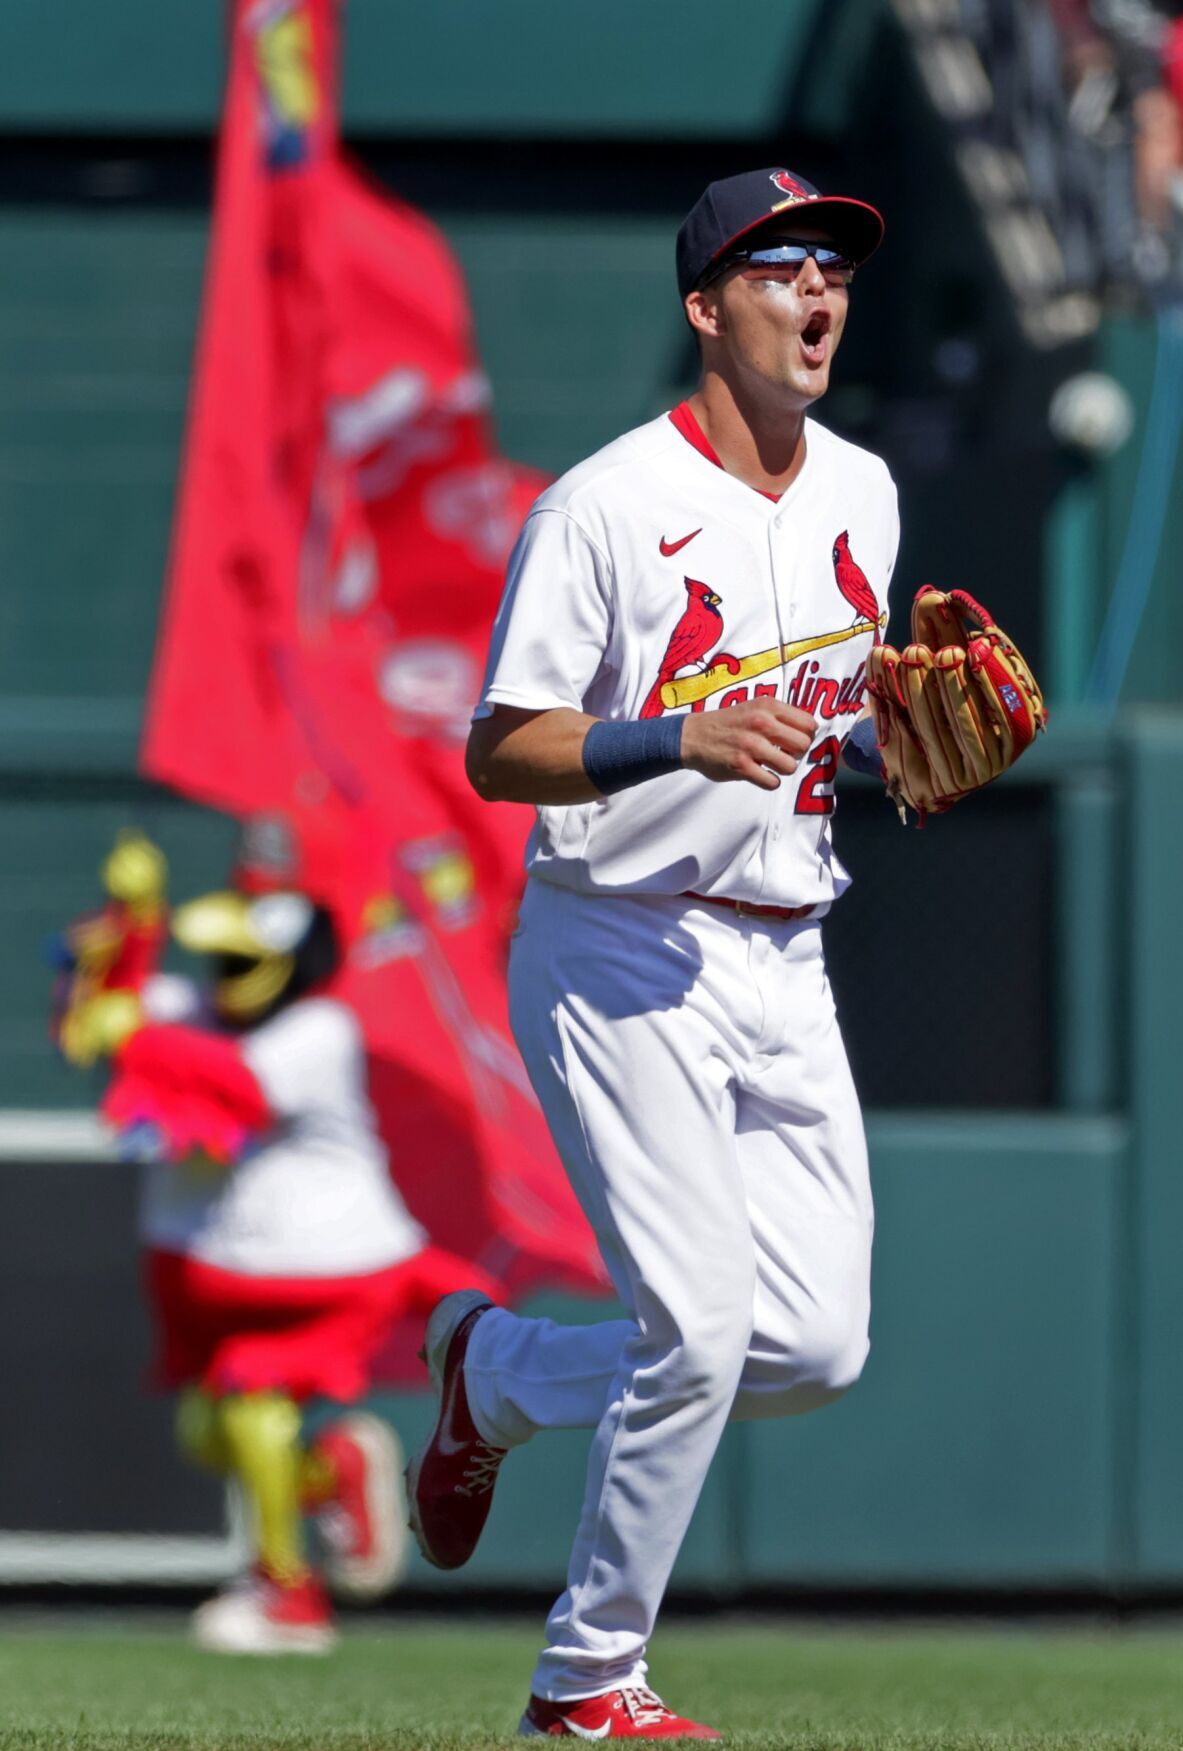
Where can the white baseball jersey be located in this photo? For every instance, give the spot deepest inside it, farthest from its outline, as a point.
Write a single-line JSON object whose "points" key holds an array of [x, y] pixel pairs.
{"points": [[648, 580], [314, 1197]]}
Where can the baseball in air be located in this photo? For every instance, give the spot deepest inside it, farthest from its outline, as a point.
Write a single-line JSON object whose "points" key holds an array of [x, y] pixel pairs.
{"points": [[1091, 412]]}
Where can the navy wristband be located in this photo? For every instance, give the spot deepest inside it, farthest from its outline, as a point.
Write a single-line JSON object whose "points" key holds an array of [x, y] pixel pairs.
{"points": [[618, 755], [861, 750]]}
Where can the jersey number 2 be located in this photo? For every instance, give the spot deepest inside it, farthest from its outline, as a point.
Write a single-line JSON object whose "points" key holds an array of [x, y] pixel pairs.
{"points": [[816, 793]]}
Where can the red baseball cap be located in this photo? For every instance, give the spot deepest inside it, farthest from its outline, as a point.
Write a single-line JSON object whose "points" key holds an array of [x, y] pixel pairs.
{"points": [[736, 206]]}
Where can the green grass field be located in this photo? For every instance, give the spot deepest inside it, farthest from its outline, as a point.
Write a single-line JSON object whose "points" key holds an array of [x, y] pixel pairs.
{"points": [[423, 1686]]}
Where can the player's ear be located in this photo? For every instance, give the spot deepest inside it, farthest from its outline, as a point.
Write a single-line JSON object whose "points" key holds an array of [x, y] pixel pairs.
{"points": [[704, 313]]}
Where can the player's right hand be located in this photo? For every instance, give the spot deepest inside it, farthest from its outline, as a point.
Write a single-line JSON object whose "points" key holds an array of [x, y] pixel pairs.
{"points": [[759, 741]]}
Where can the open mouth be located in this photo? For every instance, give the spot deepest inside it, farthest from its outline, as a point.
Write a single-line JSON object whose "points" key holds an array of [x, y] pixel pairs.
{"points": [[814, 337]]}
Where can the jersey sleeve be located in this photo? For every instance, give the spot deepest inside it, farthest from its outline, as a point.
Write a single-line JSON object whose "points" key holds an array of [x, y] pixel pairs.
{"points": [[555, 620], [302, 1057]]}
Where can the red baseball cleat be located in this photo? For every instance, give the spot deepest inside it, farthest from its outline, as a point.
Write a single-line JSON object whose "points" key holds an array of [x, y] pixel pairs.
{"points": [[450, 1480], [362, 1525], [632, 1713]]}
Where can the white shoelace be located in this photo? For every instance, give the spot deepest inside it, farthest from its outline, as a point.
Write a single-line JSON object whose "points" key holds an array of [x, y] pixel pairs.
{"points": [[645, 1707], [481, 1475]]}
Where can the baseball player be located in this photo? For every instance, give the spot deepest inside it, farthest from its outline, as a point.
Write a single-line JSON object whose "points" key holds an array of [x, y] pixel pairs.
{"points": [[679, 659]]}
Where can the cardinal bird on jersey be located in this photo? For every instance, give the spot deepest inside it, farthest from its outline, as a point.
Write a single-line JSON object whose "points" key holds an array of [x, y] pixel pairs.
{"points": [[852, 581], [700, 627]]}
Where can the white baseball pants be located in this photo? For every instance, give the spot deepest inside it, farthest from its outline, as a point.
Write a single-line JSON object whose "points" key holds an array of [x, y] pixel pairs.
{"points": [[693, 1076]]}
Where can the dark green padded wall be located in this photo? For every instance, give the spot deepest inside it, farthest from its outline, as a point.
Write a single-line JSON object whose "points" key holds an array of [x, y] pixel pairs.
{"points": [[1121, 520], [97, 315], [457, 67], [1129, 349], [1154, 1317], [980, 1438], [608, 347], [96, 324]]}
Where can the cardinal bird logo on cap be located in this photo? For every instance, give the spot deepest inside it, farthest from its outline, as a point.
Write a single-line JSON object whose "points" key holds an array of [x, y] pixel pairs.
{"points": [[789, 185], [852, 581], [698, 630]]}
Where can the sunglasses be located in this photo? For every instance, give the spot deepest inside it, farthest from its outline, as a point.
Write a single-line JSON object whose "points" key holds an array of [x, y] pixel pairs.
{"points": [[837, 268]]}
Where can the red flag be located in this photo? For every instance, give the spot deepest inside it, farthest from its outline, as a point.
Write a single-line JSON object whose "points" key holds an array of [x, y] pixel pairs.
{"points": [[1172, 59], [217, 687], [341, 533]]}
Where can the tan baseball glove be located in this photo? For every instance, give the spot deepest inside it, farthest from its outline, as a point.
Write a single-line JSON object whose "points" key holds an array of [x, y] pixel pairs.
{"points": [[953, 709]]}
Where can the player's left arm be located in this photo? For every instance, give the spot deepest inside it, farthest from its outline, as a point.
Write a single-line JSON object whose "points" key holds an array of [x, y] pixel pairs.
{"points": [[860, 750]]}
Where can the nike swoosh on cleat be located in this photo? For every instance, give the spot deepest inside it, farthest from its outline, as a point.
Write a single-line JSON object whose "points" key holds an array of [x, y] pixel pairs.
{"points": [[574, 1726], [669, 548]]}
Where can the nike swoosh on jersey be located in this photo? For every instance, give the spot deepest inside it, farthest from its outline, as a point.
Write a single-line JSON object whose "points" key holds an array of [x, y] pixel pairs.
{"points": [[600, 1732], [669, 548]]}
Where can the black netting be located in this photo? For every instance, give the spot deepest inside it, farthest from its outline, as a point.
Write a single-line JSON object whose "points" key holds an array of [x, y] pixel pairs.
{"points": [[76, 1359], [942, 954]]}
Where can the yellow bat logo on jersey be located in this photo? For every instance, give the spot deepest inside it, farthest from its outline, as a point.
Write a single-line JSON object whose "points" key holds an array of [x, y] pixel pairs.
{"points": [[737, 670]]}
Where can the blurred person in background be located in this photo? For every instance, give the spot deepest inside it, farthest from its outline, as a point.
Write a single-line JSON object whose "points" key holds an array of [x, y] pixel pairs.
{"points": [[1127, 55], [278, 1251]]}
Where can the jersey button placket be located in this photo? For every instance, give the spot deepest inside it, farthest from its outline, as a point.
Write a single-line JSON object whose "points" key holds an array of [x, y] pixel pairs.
{"points": [[783, 633]]}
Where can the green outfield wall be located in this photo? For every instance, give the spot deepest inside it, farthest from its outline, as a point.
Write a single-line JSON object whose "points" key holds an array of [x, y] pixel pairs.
{"points": [[525, 67]]}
